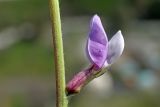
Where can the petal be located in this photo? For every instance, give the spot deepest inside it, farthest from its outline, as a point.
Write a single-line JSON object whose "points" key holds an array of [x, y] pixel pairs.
{"points": [[115, 47], [97, 42]]}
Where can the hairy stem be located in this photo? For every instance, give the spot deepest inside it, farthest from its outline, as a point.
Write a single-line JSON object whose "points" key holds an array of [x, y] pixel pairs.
{"points": [[61, 99]]}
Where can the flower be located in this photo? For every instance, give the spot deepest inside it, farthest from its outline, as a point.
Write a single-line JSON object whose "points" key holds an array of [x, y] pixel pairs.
{"points": [[101, 54], [101, 51]]}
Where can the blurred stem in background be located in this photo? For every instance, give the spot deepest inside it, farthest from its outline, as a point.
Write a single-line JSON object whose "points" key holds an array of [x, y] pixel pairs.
{"points": [[58, 54]]}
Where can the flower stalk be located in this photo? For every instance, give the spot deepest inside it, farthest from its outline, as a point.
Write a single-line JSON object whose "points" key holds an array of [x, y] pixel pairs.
{"points": [[61, 99]]}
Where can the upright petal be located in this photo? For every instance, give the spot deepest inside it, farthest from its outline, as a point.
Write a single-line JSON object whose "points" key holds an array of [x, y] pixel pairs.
{"points": [[97, 42], [115, 47]]}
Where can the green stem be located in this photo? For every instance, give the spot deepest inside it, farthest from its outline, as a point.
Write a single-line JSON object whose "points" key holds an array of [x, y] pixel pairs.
{"points": [[61, 99]]}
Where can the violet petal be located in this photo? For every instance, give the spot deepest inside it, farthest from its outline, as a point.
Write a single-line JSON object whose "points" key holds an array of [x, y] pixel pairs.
{"points": [[115, 47], [97, 42]]}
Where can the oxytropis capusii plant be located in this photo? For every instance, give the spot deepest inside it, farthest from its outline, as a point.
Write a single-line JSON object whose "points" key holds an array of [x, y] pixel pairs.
{"points": [[101, 53]]}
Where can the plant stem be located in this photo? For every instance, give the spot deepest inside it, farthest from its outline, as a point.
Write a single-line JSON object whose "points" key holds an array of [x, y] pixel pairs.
{"points": [[61, 99]]}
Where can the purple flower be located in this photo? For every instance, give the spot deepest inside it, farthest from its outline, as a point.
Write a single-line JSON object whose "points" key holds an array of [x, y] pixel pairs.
{"points": [[100, 52]]}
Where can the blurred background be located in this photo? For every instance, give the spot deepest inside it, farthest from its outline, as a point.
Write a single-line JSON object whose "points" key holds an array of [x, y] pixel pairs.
{"points": [[26, 54]]}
